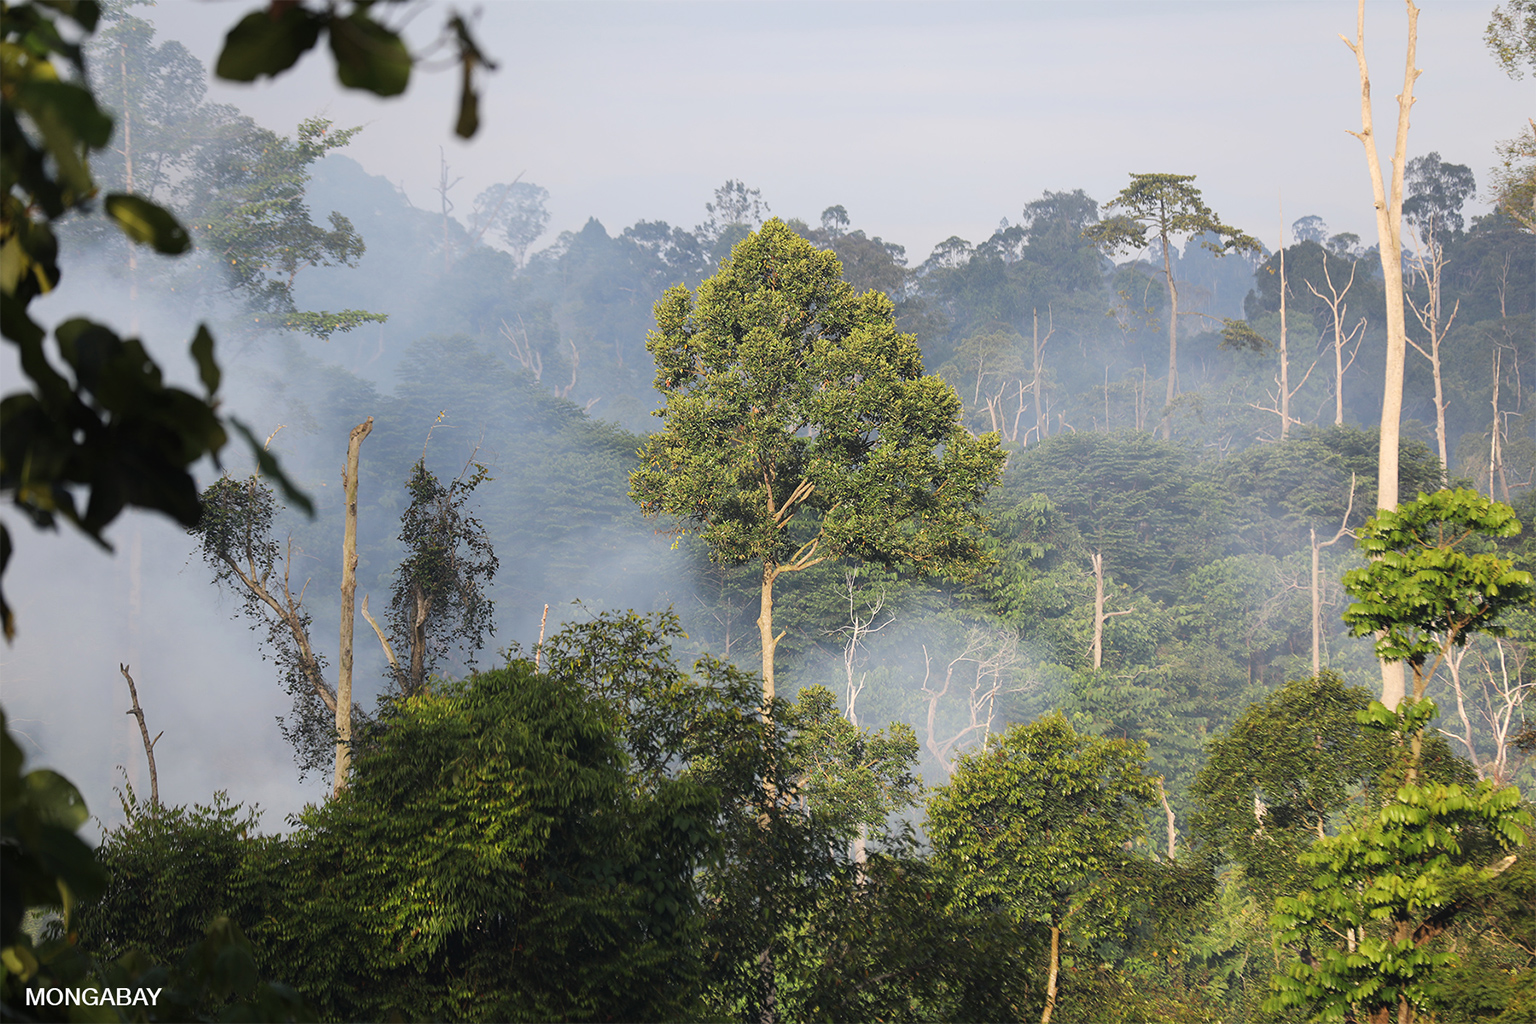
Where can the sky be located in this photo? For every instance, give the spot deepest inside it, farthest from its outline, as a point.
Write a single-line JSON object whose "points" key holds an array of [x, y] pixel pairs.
{"points": [[923, 120]]}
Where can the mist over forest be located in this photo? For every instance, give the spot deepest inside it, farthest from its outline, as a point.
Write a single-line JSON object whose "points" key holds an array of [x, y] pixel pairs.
{"points": [[1162, 551]]}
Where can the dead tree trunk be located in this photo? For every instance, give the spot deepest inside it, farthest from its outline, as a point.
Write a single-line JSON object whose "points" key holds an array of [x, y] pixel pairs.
{"points": [[1430, 267], [1389, 226], [1039, 349], [1317, 581], [348, 601], [1100, 616], [1341, 339], [149, 744]]}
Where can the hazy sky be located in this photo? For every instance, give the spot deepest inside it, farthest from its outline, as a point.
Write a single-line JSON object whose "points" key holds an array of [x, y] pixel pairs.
{"points": [[924, 120]]}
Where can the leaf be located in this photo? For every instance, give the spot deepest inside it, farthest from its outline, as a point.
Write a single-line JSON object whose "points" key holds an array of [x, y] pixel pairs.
{"points": [[469, 110], [266, 44], [369, 56], [202, 354], [148, 224]]}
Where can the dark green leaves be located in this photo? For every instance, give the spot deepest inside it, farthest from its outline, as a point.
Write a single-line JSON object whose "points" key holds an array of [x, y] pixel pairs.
{"points": [[369, 56], [42, 861], [1237, 334], [145, 222], [269, 42]]}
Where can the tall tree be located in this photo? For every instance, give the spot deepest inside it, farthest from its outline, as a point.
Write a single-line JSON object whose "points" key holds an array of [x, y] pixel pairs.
{"points": [[799, 426], [1166, 206], [348, 600], [1389, 232], [1436, 193]]}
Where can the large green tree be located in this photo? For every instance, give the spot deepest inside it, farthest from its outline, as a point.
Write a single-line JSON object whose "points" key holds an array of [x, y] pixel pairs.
{"points": [[1164, 207], [1037, 827], [799, 426]]}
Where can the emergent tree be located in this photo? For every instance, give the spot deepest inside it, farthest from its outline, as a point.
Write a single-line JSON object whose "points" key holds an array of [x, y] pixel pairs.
{"points": [[1166, 205], [799, 426]]}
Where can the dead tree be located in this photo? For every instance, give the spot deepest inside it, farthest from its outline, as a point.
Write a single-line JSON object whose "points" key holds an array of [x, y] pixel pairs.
{"points": [[1317, 579], [149, 744], [348, 602], [1100, 616], [1339, 308], [987, 660]]}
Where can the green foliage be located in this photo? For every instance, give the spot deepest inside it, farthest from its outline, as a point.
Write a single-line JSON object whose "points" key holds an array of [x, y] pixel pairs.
{"points": [[489, 862], [438, 601], [886, 942], [786, 391], [1381, 893], [1428, 587], [1280, 776], [855, 777], [49, 872], [1037, 827], [1164, 205], [1511, 36], [44, 863], [245, 196], [1238, 334]]}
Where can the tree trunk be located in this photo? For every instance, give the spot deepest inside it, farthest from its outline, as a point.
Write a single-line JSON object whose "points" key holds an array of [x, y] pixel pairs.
{"points": [[1285, 358], [1389, 223], [1173, 342], [1050, 981], [1039, 348], [765, 630], [1098, 609], [769, 1013], [422, 606], [149, 744], [1317, 608], [348, 601]]}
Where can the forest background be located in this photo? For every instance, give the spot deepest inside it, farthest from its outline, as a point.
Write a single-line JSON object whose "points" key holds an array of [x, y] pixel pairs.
{"points": [[1154, 586]]}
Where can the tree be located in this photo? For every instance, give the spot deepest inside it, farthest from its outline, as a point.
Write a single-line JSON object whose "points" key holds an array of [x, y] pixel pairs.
{"points": [[1382, 893], [1166, 205], [799, 427], [1389, 232], [517, 214], [1514, 179], [1037, 827], [235, 528], [1436, 193], [438, 602], [1432, 583], [1511, 36], [1338, 309], [1278, 777]]}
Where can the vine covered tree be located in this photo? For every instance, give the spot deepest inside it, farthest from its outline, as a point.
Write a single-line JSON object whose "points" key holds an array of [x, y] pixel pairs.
{"points": [[1162, 206], [235, 529], [799, 426], [438, 602]]}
